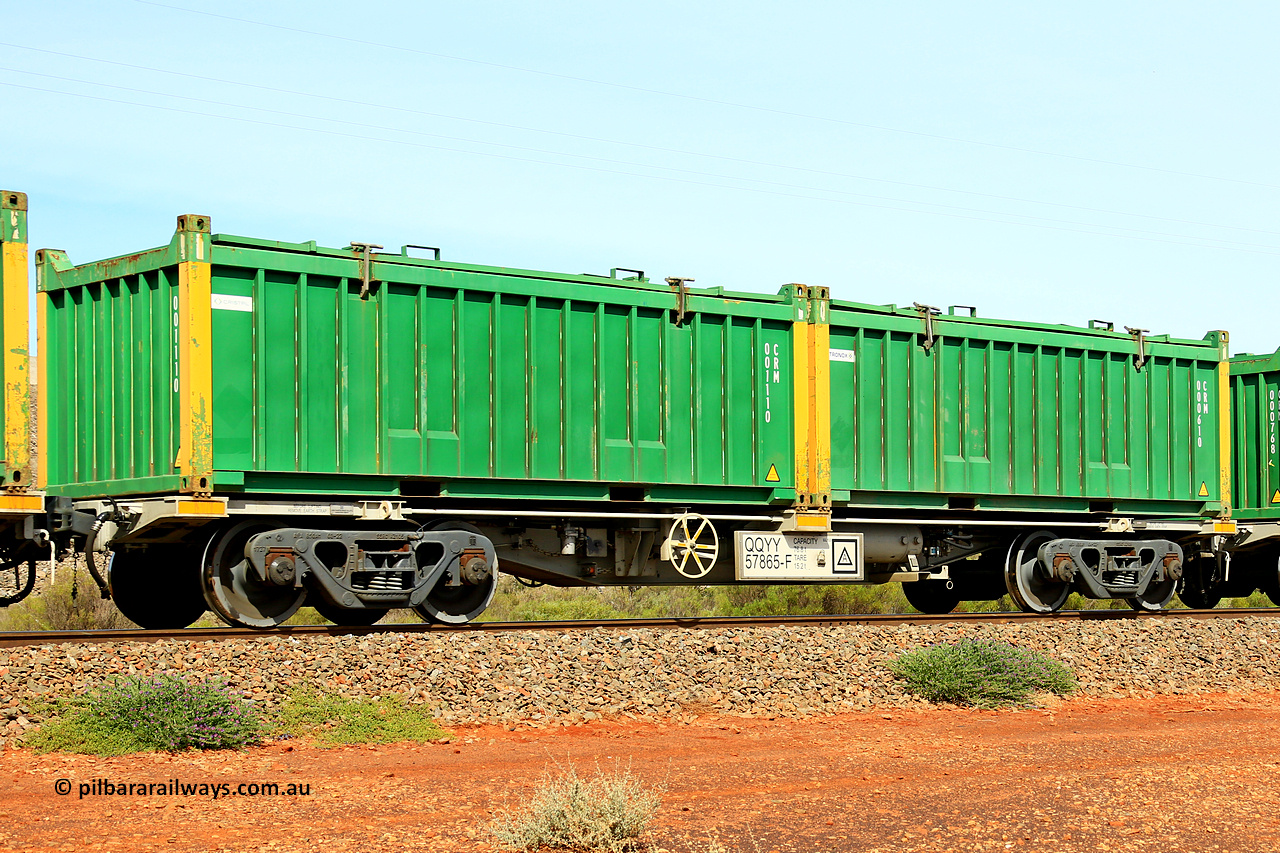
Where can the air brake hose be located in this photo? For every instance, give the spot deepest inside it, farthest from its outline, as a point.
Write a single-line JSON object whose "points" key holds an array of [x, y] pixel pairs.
{"points": [[103, 518]]}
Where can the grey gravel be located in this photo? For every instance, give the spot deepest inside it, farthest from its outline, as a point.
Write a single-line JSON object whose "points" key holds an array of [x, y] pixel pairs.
{"points": [[542, 678]]}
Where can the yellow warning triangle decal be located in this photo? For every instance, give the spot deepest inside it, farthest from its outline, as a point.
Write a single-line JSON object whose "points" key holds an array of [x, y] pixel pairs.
{"points": [[1204, 490], [772, 476], [1275, 499]]}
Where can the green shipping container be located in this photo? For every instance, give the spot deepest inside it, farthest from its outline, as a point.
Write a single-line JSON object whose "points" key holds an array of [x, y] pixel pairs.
{"points": [[227, 364], [968, 413], [1255, 389]]}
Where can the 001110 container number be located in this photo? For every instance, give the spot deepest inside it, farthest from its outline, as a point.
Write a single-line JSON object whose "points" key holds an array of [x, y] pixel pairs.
{"points": [[772, 376]]}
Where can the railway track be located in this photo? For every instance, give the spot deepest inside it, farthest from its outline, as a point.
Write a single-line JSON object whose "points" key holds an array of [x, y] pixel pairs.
{"points": [[35, 638]]}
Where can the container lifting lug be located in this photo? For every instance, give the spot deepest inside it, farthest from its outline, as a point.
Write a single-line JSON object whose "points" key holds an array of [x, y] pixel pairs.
{"points": [[928, 312], [404, 250], [366, 266], [1142, 346], [682, 293]]}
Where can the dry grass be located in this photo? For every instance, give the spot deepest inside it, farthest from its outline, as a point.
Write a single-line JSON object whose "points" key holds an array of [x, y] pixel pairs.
{"points": [[606, 812]]}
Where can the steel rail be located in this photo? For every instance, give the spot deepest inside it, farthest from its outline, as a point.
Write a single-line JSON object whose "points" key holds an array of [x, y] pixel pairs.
{"points": [[35, 638]]}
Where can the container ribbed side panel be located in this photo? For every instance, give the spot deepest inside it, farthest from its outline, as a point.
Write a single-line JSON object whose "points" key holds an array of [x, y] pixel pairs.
{"points": [[993, 412]]}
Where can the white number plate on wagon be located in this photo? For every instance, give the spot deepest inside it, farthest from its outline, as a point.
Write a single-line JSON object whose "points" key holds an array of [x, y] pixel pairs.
{"points": [[797, 556]]}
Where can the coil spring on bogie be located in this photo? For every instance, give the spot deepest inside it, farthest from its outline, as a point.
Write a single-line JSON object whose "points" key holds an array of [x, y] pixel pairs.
{"points": [[1126, 578], [381, 581]]}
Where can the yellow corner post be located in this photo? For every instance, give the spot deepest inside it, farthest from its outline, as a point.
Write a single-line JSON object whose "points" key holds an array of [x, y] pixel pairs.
{"points": [[195, 355], [1224, 424], [14, 331], [820, 395], [802, 354]]}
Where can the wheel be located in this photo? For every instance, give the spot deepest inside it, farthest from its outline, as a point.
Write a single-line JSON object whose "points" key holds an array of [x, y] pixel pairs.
{"points": [[458, 605], [232, 589], [344, 616], [1198, 588], [157, 586], [1025, 578], [17, 577], [1154, 598], [932, 596]]}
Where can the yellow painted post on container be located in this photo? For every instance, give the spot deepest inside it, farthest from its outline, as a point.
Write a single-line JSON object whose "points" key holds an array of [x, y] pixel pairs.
{"points": [[195, 354], [820, 395], [1224, 425], [15, 293], [802, 354]]}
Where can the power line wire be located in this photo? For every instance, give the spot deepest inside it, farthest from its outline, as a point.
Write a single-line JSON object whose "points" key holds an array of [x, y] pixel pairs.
{"points": [[1207, 243], [582, 137], [616, 162], [706, 100]]}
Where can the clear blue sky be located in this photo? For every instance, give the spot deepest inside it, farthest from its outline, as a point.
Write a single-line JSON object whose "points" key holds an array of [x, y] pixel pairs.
{"points": [[1100, 160]]}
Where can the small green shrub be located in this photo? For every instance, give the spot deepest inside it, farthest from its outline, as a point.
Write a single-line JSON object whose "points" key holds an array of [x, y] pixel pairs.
{"points": [[1257, 598], [71, 604], [164, 713], [334, 719], [983, 673], [555, 611], [515, 603], [808, 599], [605, 812], [1076, 601], [995, 605]]}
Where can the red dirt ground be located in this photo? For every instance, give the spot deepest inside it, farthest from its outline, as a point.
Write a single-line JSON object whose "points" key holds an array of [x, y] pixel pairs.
{"points": [[1162, 774]]}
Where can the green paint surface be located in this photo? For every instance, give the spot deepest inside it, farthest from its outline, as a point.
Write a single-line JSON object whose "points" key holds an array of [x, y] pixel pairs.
{"points": [[506, 382], [111, 359], [445, 372], [1013, 416], [1255, 439]]}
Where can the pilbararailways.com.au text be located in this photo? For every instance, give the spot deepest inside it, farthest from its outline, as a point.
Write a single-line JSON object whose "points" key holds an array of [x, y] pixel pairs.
{"points": [[179, 788]]}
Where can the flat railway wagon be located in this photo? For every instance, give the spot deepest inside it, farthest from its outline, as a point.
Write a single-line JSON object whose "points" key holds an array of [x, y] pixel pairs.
{"points": [[246, 425]]}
